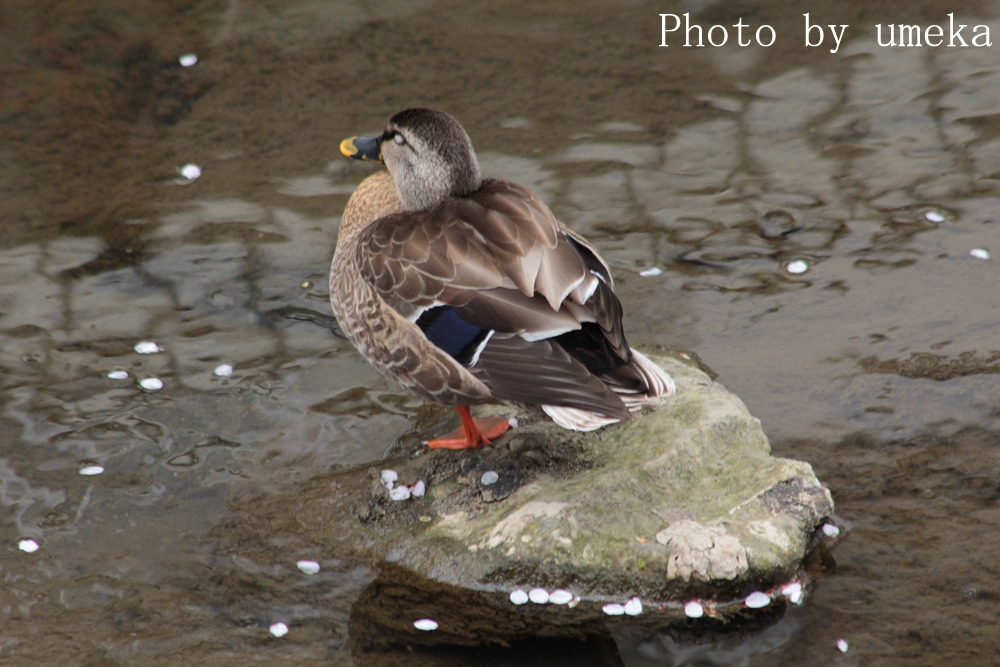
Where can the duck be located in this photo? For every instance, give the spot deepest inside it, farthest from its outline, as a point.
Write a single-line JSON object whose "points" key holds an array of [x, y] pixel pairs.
{"points": [[467, 290]]}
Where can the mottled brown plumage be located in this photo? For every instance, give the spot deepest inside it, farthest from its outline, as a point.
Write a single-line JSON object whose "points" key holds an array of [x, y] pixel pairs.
{"points": [[467, 291]]}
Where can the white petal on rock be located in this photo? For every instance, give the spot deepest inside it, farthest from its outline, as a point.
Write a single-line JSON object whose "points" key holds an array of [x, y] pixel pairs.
{"points": [[757, 600], [308, 566], [418, 489], [425, 624], [842, 645], [538, 595], [489, 477], [980, 253], [693, 609], [934, 216], [613, 609], [560, 596], [93, 469], [147, 347], [118, 375], [188, 60], [518, 597], [28, 546], [830, 530], [633, 607], [389, 478], [654, 271], [400, 493], [279, 629], [151, 384]]}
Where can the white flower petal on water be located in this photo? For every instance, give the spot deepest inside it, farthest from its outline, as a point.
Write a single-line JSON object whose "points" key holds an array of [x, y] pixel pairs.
{"points": [[654, 271], [401, 492], [28, 546], [980, 253], [188, 60], [92, 469], [489, 477], [693, 609], [190, 171], [279, 629], [793, 591], [308, 566], [151, 384], [389, 478], [797, 266], [425, 624], [518, 597], [613, 609], [934, 216], [842, 645], [633, 607], [560, 596], [223, 370], [757, 600], [538, 595], [418, 489], [147, 347], [118, 375]]}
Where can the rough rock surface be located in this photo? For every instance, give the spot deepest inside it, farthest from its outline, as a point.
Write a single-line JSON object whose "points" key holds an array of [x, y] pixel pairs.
{"points": [[684, 502]]}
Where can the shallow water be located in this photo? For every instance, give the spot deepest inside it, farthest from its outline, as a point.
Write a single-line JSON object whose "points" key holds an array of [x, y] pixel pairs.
{"points": [[812, 216]]}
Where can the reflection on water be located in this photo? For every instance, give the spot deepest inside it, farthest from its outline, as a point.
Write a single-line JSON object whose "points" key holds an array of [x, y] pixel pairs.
{"points": [[819, 229]]}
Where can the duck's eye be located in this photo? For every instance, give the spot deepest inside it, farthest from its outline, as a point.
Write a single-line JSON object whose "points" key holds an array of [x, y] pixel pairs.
{"points": [[398, 138]]}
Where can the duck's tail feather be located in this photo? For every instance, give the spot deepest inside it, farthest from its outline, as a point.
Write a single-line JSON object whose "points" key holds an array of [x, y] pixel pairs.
{"points": [[657, 383], [657, 380], [576, 419]]}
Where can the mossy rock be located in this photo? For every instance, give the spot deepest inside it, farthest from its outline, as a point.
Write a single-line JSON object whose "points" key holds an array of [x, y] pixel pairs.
{"points": [[683, 502]]}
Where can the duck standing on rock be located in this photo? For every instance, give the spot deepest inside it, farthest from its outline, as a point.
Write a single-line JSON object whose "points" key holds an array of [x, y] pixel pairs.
{"points": [[468, 291]]}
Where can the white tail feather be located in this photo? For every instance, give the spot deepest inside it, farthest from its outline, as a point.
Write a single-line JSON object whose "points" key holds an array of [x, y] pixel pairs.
{"points": [[577, 420], [660, 384], [658, 381]]}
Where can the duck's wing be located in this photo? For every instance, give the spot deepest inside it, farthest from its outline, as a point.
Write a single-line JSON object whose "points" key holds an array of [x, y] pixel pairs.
{"points": [[497, 283]]}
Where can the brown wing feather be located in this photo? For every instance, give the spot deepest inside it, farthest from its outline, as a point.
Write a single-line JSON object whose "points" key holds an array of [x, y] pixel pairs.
{"points": [[500, 238], [501, 259], [543, 373]]}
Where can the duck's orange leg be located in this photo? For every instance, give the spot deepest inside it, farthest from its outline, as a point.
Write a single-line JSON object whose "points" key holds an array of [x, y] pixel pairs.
{"points": [[474, 433]]}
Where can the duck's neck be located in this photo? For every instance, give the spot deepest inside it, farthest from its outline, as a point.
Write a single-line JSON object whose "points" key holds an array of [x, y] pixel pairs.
{"points": [[425, 184], [374, 198]]}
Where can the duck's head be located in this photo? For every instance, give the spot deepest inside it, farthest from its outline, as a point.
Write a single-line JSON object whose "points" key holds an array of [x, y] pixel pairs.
{"points": [[428, 154]]}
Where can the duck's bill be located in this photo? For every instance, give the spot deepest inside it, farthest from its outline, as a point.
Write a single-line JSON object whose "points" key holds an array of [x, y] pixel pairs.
{"points": [[363, 148]]}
